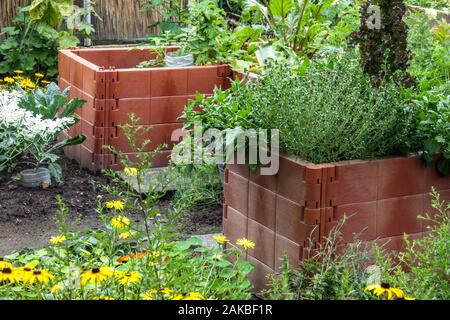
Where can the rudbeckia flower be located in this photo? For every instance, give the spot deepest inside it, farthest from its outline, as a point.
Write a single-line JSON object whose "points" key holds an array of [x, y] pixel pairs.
{"points": [[116, 205], [384, 288], [120, 222], [4, 264], [245, 243], [40, 276], [127, 278], [96, 275], [9, 275]]}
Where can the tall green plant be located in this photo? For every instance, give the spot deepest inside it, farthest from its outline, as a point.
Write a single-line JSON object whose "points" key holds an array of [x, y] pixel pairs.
{"points": [[38, 31]]}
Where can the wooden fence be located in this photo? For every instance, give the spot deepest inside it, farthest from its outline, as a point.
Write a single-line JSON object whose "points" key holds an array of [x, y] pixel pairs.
{"points": [[121, 19]]}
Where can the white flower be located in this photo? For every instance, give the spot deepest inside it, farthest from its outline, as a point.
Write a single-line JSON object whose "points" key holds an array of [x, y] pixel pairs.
{"points": [[25, 124]]}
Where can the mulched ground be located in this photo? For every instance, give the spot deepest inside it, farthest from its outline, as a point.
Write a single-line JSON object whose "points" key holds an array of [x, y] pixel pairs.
{"points": [[26, 215]]}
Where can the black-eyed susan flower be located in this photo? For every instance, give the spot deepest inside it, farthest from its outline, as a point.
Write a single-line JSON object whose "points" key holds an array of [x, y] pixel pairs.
{"points": [[96, 275], [245, 243], [103, 298], [384, 289], [131, 172], [220, 239], [116, 205], [25, 273], [9, 275], [58, 239], [127, 278], [38, 276], [4, 264], [120, 222], [194, 296]]}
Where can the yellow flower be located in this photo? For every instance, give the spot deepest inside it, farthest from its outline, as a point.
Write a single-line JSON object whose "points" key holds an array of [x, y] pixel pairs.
{"points": [[45, 82], [221, 239], [127, 278], [18, 78], [27, 84], [120, 222], [9, 275], [25, 274], [125, 235], [166, 291], [194, 296], [40, 276], [96, 275], [131, 172], [58, 240], [385, 289], [176, 296], [4, 264], [103, 298], [9, 80], [39, 75], [116, 205], [245, 243], [55, 289], [149, 295], [18, 71]]}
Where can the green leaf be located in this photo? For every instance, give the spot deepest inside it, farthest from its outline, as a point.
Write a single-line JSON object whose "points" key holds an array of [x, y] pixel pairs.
{"points": [[281, 8]]}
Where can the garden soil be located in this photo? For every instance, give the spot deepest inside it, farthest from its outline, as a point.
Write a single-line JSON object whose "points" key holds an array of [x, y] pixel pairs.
{"points": [[27, 215]]}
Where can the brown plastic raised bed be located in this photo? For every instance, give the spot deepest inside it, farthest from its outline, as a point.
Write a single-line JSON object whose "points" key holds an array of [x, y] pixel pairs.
{"points": [[108, 80], [304, 201]]}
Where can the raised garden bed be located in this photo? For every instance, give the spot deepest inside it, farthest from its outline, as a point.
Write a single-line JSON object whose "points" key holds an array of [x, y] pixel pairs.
{"points": [[305, 201], [108, 80]]}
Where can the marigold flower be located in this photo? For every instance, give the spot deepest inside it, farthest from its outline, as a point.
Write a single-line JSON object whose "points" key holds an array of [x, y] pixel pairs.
{"points": [[9, 275], [384, 288], [245, 243], [40, 276], [96, 275], [120, 222], [220, 239], [58, 240], [127, 278], [116, 205], [131, 172]]}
